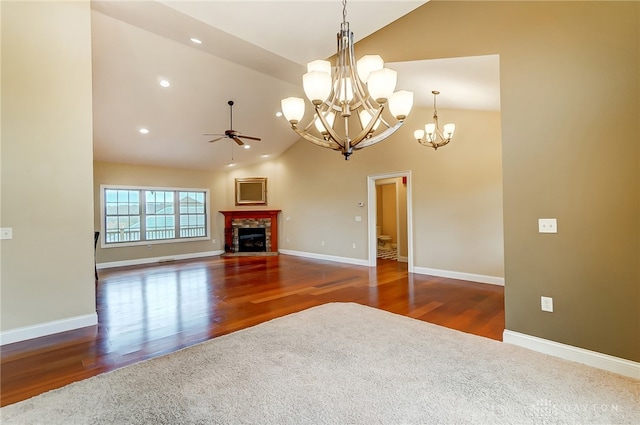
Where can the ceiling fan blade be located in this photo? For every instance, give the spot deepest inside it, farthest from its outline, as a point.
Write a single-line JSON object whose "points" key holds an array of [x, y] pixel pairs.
{"points": [[212, 134], [248, 137], [238, 141], [215, 140]]}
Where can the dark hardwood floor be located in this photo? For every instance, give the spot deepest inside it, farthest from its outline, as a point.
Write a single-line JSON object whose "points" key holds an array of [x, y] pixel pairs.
{"points": [[148, 311]]}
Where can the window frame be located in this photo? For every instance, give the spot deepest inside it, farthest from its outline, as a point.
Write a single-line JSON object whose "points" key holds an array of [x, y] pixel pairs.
{"points": [[143, 216]]}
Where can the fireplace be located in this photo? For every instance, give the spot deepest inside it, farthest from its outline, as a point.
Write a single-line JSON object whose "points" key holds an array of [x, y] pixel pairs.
{"points": [[252, 239], [241, 230]]}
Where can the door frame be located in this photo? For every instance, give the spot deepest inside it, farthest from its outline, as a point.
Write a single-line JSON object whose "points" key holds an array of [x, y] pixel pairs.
{"points": [[371, 215]]}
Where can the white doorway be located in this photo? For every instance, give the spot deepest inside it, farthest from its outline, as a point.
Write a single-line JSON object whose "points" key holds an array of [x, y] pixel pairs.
{"points": [[405, 178]]}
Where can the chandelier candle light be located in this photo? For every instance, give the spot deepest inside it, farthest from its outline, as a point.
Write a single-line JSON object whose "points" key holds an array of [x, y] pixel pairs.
{"points": [[361, 89], [431, 135]]}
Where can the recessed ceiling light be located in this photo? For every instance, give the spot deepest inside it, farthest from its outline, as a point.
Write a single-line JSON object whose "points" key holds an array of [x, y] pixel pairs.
{"points": [[144, 131], [247, 146], [195, 40], [165, 83], [265, 155], [278, 114], [231, 164]]}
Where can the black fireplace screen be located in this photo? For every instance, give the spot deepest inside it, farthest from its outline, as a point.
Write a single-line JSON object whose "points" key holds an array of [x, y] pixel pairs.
{"points": [[252, 239]]}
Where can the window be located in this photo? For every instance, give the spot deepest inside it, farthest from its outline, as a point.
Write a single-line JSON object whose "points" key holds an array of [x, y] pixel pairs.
{"points": [[159, 220], [133, 216], [192, 214], [122, 215]]}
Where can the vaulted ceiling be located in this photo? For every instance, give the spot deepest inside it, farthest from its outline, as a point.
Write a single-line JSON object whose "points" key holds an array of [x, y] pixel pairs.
{"points": [[251, 52]]}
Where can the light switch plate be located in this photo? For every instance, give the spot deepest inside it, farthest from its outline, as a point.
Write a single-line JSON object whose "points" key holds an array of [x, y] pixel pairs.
{"points": [[358, 218], [6, 233], [546, 304], [547, 225]]}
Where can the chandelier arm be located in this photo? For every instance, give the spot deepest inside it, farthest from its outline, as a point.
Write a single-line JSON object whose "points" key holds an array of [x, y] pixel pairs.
{"points": [[443, 140], [334, 102], [366, 103], [379, 137], [341, 64], [315, 140], [361, 94], [367, 129], [434, 145], [332, 133], [308, 126], [383, 121], [436, 121], [439, 133]]}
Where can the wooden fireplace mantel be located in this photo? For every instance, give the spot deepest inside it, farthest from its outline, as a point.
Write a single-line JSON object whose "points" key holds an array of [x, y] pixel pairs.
{"points": [[243, 214]]}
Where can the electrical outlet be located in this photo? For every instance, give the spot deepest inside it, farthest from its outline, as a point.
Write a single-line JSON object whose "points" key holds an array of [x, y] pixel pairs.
{"points": [[148, 246], [322, 243], [6, 233], [546, 304], [213, 241], [354, 245], [547, 225], [287, 240]]}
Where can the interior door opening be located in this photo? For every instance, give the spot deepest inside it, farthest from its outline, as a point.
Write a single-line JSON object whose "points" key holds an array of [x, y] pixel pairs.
{"points": [[389, 217]]}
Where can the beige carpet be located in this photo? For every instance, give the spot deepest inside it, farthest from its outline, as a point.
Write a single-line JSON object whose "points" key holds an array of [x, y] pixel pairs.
{"points": [[342, 363]]}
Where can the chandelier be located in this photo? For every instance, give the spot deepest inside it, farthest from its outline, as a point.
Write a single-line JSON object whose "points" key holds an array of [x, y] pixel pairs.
{"points": [[431, 135], [360, 88]]}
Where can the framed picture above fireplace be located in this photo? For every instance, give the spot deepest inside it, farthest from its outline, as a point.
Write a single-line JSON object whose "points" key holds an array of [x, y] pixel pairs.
{"points": [[251, 191]]}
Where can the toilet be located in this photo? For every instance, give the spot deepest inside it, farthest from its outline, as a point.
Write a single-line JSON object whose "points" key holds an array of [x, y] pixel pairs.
{"points": [[384, 241]]}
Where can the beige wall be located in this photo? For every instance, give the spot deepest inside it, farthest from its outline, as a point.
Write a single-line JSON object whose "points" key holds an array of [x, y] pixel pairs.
{"points": [[266, 168], [135, 175], [570, 93], [47, 268]]}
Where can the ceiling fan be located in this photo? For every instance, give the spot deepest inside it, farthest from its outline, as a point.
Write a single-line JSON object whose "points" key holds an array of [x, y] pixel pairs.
{"points": [[231, 134]]}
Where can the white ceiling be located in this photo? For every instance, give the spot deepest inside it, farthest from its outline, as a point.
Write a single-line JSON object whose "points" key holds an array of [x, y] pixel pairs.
{"points": [[283, 27], [253, 53]]}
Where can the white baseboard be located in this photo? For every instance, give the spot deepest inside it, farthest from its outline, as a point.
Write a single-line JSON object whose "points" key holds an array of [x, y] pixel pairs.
{"points": [[403, 259], [48, 328], [568, 352], [152, 260], [337, 259], [480, 278]]}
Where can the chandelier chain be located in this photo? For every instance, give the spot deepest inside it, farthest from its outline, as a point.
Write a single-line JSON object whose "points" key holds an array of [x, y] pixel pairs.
{"points": [[344, 11]]}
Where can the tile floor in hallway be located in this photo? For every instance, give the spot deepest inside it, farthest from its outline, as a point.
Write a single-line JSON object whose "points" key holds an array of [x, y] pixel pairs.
{"points": [[387, 254]]}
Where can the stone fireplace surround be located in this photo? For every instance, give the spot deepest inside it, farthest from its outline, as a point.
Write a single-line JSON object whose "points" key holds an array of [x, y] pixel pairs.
{"points": [[267, 219]]}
